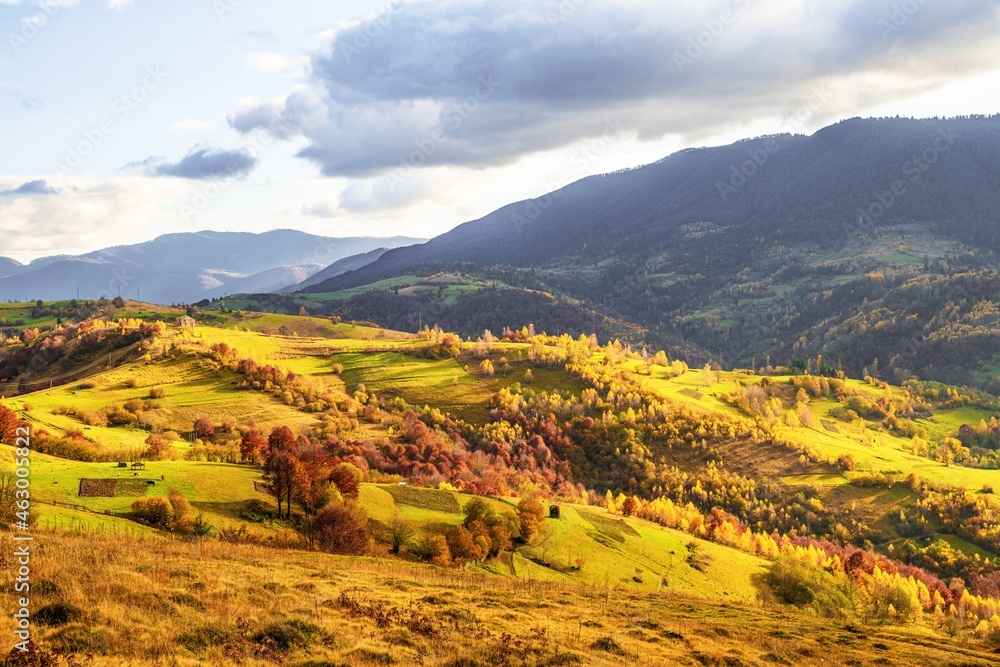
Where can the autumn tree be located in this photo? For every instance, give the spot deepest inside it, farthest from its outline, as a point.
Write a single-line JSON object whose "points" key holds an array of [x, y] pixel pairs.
{"points": [[9, 423], [204, 428], [948, 450], [282, 439], [400, 532], [347, 479], [252, 445], [158, 447], [532, 515], [630, 506], [283, 475]]}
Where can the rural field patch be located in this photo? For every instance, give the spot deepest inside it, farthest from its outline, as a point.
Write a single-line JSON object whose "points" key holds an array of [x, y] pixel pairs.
{"points": [[428, 499]]}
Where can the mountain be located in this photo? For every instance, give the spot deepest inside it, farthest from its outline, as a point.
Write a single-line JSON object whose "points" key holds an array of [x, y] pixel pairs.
{"points": [[735, 204], [186, 267], [339, 267], [270, 280], [778, 248], [9, 267]]}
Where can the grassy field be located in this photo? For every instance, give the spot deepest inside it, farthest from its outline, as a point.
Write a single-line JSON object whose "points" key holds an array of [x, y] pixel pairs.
{"points": [[191, 389], [146, 601], [218, 490], [871, 446]]}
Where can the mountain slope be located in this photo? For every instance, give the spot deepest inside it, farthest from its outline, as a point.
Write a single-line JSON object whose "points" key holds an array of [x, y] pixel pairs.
{"points": [[742, 199], [761, 249], [9, 266], [340, 267]]}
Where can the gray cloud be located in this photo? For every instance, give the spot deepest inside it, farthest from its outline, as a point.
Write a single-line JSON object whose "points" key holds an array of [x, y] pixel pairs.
{"points": [[480, 82], [38, 187], [205, 163]]}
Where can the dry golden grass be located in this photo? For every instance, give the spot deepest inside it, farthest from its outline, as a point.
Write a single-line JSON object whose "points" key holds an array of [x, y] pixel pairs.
{"points": [[157, 601]]}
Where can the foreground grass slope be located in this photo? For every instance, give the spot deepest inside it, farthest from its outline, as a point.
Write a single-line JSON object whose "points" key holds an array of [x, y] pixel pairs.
{"points": [[129, 601]]}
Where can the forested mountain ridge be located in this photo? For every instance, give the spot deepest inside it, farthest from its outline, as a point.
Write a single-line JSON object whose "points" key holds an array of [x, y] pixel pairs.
{"points": [[766, 247], [703, 205]]}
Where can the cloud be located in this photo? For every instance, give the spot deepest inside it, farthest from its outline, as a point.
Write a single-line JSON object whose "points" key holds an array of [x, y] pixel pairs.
{"points": [[371, 196], [271, 62], [192, 126], [205, 163], [87, 213], [119, 4], [481, 83], [36, 187], [322, 209]]}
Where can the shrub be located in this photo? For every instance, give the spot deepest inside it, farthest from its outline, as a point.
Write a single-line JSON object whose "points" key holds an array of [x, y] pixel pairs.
{"points": [[256, 511], [283, 637], [156, 393], [433, 547], [157, 512], [57, 614], [341, 529], [158, 448], [792, 581], [400, 533], [874, 479], [608, 645], [240, 536], [117, 416]]}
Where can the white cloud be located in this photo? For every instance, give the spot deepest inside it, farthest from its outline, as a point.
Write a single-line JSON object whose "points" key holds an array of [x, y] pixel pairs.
{"points": [[271, 62], [87, 213], [193, 126], [119, 4]]}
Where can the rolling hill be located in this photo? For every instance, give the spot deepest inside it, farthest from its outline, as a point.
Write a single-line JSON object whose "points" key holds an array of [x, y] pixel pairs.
{"points": [[685, 493]]}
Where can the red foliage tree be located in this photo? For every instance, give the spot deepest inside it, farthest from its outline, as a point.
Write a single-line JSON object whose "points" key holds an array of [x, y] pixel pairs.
{"points": [[252, 445], [344, 479], [204, 428], [9, 423]]}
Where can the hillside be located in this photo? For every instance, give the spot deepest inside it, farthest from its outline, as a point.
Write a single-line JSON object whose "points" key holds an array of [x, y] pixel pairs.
{"points": [[776, 265], [702, 486], [341, 266], [147, 601]]}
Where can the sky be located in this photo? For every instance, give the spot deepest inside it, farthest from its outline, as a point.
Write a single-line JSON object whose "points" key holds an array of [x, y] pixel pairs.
{"points": [[121, 120]]}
